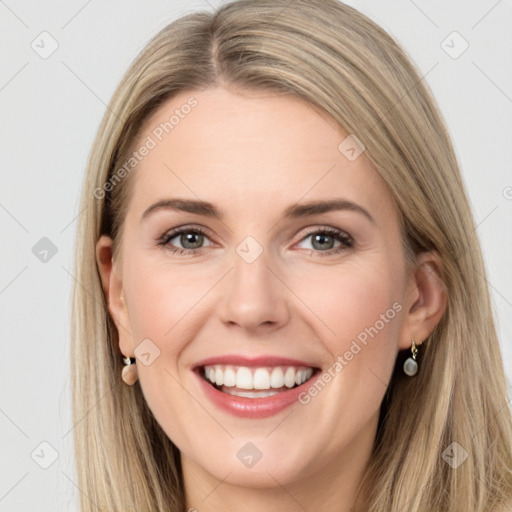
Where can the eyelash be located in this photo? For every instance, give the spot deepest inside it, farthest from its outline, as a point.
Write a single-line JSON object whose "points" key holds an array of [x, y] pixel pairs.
{"points": [[346, 240]]}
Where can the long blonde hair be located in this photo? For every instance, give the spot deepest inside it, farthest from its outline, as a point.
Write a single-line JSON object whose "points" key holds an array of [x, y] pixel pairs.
{"points": [[339, 61]]}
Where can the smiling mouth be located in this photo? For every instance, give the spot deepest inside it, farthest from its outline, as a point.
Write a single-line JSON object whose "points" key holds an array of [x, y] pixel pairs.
{"points": [[255, 382]]}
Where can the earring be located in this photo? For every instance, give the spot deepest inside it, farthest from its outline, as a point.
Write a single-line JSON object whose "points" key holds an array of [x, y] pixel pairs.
{"points": [[410, 365], [129, 373]]}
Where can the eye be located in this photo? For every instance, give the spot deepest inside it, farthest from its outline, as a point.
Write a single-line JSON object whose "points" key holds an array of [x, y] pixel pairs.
{"points": [[190, 238], [323, 241]]}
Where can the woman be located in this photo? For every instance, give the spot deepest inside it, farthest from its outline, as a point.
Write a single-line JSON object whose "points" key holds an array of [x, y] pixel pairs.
{"points": [[282, 301]]}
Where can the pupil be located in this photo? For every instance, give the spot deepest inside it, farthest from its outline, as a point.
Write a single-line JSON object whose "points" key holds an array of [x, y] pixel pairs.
{"points": [[189, 238], [322, 239]]}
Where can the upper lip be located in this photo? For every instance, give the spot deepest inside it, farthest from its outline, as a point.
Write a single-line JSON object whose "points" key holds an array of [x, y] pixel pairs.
{"points": [[259, 361]]}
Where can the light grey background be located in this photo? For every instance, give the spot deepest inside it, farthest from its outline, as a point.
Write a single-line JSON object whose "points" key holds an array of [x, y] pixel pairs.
{"points": [[50, 110]]}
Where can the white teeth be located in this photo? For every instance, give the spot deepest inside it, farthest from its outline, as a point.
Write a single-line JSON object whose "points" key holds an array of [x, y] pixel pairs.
{"points": [[250, 394], [244, 378], [289, 378], [265, 378], [277, 377], [261, 379], [301, 377], [219, 376], [229, 377]]}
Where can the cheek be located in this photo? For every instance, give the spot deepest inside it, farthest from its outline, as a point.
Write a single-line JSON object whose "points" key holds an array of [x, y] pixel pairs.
{"points": [[359, 316], [358, 305], [161, 309], [162, 300]]}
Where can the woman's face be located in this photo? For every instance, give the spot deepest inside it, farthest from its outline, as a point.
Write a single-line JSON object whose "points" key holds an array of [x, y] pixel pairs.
{"points": [[287, 265]]}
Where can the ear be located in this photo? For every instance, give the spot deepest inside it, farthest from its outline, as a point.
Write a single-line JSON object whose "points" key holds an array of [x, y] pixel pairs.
{"points": [[425, 301], [112, 284]]}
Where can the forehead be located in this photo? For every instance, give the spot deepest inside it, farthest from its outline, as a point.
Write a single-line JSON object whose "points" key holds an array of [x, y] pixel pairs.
{"points": [[249, 151]]}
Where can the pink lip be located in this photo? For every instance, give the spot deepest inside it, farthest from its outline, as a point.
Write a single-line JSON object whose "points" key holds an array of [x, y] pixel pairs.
{"points": [[253, 361], [254, 407]]}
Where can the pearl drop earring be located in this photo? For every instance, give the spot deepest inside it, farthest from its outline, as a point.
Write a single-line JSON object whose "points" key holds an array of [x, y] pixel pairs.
{"points": [[129, 373], [410, 365]]}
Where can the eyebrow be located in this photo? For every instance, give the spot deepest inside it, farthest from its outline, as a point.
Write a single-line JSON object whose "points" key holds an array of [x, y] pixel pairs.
{"points": [[295, 211]]}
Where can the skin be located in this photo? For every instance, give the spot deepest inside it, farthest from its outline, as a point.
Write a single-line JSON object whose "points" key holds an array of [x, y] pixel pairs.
{"points": [[253, 155]]}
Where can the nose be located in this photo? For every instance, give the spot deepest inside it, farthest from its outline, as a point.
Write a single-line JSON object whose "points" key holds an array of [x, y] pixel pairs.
{"points": [[254, 297]]}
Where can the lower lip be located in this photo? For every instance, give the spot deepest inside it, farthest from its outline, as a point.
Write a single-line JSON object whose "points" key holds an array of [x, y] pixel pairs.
{"points": [[254, 407]]}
